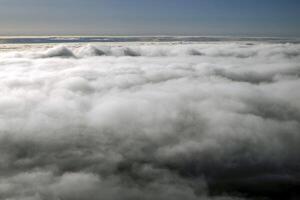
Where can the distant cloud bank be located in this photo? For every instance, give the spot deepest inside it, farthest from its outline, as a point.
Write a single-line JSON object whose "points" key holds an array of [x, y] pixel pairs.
{"points": [[215, 121]]}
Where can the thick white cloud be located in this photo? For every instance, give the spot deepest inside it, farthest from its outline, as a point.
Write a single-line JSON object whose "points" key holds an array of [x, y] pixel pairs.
{"points": [[163, 121]]}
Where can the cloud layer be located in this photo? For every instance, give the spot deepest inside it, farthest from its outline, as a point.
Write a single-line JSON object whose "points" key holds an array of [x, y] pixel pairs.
{"points": [[167, 121]]}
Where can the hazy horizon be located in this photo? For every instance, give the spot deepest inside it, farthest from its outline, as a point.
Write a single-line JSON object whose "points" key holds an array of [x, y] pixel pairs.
{"points": [[149, 35]]}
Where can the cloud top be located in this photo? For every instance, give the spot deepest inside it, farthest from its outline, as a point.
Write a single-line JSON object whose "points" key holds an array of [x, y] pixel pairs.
{"points": [[192, 121]]}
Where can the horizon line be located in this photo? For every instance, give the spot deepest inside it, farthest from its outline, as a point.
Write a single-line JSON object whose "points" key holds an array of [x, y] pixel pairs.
{"points": [[142, 36]]}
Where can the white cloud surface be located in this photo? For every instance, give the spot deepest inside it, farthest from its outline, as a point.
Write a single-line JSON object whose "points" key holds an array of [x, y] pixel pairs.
{"points": [[165, 121]]}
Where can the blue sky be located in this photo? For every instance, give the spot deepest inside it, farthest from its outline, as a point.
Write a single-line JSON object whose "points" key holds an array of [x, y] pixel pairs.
{"points": [[150, 17]]}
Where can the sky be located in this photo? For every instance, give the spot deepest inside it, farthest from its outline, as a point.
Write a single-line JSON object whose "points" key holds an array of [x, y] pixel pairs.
{"points": [[150, 17]]}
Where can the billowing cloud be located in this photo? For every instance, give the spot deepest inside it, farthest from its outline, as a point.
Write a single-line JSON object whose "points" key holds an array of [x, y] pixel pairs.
{"points": [[214, 121]]}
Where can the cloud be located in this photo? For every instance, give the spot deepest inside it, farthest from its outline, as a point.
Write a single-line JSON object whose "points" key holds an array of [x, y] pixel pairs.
{"points": [[165, 121]]}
